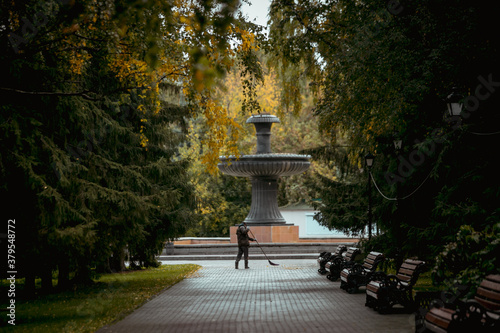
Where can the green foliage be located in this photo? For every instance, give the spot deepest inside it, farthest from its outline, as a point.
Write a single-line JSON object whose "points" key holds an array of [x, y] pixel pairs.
{"points": [[88, 146], [227, 204], [222, 201], [469, 258], [341, 207], [383, 67]]}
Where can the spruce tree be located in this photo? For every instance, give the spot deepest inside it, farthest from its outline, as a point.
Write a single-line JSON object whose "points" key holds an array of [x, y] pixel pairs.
{"points": [[86, 159]]}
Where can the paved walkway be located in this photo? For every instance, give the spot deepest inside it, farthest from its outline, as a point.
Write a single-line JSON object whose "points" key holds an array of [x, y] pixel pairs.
{"points": [[292, 297]]}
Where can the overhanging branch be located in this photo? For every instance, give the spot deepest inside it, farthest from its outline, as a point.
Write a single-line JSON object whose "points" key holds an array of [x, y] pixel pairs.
{"points": [[83, 94]]}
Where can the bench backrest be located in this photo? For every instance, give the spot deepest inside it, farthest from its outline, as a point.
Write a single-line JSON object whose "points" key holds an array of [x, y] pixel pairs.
{"points": [[409, 270], [372, 260], [351, 253], [339, 250], [488, 293]]}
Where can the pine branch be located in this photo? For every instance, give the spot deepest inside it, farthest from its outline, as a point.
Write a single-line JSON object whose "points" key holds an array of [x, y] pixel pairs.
{"points": [[83, 94]]}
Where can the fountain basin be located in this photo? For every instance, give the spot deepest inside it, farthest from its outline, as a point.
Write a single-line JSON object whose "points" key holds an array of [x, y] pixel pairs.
{"points": [[270, 165]]}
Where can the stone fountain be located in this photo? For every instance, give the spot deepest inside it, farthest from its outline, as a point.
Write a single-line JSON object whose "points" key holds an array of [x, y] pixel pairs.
{"points": [[264, 169]]}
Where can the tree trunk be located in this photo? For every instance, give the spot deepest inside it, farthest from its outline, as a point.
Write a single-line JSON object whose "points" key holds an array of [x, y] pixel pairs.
{"points": [[103, 266], [46, 276], [63, 278], [29, 284], [83, 272], [117, 261]]}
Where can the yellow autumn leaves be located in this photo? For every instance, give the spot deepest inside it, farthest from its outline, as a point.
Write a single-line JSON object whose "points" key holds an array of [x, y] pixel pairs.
{"points": [[189, 55]]}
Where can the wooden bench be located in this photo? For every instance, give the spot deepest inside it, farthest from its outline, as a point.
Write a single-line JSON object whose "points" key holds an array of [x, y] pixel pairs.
{"points": [[336, 265], [480, 314], [385, 291], [325, 257], [359, 274]]}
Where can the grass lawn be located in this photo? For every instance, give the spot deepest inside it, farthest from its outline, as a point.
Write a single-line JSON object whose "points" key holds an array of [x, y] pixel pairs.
{"points": [[89, 308], [424, 283]]}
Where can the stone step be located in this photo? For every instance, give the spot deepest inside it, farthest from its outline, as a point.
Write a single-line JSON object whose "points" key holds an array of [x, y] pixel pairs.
{"points": [[232, 249], [273, 257]]}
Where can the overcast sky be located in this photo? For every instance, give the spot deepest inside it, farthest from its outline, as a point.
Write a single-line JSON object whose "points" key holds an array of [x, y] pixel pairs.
{"points": [[258, 11]]}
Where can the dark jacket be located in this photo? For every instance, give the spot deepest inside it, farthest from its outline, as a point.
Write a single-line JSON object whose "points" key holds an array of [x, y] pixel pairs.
{"points": [[243, 238]]}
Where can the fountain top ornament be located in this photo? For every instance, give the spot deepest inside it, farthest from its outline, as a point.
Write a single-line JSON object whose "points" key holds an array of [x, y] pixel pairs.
{"points": [[264, 168]]}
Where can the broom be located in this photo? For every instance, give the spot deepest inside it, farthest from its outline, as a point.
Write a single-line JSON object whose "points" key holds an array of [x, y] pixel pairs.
{"points": [[270, 262]]}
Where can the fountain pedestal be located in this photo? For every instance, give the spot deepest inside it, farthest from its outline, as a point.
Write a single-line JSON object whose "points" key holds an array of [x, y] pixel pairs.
{"points": [[288, 233], [264, 208]]}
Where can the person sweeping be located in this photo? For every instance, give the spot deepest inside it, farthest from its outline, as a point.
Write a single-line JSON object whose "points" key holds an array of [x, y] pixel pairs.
{"points": [[243, 243]]}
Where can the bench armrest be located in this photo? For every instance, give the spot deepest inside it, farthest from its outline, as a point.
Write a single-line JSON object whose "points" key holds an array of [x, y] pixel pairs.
{"points": [[378, 276], [348, 264], [476, 312], [392, 281], [356, 268], [447, 300], [454, 298], [333, 256], [337, 261]]}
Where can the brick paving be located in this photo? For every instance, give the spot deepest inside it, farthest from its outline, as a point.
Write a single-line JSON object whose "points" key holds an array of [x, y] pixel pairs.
{"points": [[292, 297]]}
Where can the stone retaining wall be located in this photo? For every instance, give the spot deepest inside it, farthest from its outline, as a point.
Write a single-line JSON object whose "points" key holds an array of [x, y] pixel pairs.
{"points": [[269, 248]]}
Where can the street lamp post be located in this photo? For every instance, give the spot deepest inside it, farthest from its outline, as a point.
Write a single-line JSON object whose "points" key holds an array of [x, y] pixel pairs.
{"points": [[398, 144], [369, 158]]}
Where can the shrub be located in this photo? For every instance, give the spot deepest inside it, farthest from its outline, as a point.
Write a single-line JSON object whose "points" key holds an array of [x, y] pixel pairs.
{"points": [[468, 259]]}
